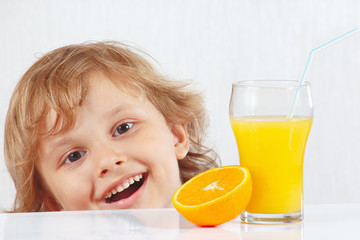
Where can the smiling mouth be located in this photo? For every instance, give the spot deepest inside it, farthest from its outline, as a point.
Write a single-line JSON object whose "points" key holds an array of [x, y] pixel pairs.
{"points": [[126, 189]]}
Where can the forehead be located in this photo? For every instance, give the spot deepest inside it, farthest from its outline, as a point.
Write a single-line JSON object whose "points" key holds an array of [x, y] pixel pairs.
{"points": [[106, 93]]}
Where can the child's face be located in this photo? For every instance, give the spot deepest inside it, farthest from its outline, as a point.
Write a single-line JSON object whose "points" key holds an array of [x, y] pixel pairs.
{"points": [[118, 140]]}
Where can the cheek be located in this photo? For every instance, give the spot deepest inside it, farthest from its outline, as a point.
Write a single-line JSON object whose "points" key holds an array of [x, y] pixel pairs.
{"points": [[155, 144], [72, 192], [160, 155], [157, 152]]}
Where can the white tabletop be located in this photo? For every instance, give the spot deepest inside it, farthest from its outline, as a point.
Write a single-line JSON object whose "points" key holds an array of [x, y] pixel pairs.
{"points": [[332, 221]]}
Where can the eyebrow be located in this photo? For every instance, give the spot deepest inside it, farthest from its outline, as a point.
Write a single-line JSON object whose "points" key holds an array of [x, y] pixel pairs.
{"points": [[117, 109], [57, 141]]}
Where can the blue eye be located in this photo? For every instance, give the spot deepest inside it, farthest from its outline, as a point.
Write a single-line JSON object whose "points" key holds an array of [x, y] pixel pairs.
{"points": [[74, 156], [123, 128]]}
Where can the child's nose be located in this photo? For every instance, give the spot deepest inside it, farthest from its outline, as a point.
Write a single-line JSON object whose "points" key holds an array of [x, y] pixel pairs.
{"points": [[106, 169], [108, 158]]}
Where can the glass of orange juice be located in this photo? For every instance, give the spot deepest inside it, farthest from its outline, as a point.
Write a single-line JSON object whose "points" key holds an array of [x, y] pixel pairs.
{"points": [[271, 120]]}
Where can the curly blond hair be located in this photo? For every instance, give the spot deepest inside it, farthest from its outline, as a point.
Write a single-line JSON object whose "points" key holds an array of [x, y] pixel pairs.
{"points": [[59, 81]]}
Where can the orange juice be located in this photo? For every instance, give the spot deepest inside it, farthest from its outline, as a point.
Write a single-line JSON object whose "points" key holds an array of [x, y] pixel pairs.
{"points": [[272, 148]]}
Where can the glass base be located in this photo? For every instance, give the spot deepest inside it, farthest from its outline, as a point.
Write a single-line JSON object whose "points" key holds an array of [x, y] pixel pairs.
{"points": [[280, 218]]}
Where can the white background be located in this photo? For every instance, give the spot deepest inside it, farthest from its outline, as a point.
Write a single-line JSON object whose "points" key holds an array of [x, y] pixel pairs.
{"points": [[214, 43]]}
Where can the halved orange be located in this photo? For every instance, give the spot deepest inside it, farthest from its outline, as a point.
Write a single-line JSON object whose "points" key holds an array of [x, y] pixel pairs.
{"points": [[215, 196]]}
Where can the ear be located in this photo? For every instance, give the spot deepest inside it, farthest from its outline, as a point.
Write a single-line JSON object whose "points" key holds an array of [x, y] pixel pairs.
{"points": [[181, 140], [50, 203]]}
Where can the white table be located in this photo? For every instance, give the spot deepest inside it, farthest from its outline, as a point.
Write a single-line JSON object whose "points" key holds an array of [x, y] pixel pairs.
{"points": [[321, 222]]}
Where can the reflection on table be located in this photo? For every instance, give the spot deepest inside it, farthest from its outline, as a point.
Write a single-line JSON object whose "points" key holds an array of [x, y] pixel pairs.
{"points": [[321, 222]]}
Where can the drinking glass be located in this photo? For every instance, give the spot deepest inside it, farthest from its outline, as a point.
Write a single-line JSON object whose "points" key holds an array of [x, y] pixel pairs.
{"points": [[271, 121]]}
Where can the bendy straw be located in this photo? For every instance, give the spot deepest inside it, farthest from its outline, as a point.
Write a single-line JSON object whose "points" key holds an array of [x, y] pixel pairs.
{"points": [[309, 59]]}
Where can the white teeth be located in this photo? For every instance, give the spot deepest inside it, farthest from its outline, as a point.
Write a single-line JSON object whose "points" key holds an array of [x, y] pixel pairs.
{"points": [[138, 177], [120, 189], [124, 186]]}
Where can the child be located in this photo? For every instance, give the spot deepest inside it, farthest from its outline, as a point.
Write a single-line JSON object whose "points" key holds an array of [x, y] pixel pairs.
{"points": [[95, 126]]}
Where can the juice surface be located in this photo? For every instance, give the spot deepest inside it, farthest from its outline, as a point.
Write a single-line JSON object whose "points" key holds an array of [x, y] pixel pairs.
{"points": [[272, 148]]}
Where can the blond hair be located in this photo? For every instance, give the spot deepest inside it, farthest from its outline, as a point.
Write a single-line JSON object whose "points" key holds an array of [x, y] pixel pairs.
{"points": [[59, 81]]}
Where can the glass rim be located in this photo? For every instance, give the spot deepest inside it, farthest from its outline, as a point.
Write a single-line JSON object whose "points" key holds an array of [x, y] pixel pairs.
{"points": [[258, 84]]}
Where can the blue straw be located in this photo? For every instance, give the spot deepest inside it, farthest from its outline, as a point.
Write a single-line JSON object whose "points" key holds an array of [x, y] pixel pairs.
{"points": [[308, 61]]}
